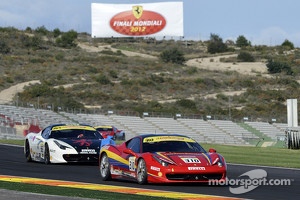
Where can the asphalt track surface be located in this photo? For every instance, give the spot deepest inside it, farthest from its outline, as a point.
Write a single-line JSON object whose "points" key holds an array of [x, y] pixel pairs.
{"points": [[12, 162]]}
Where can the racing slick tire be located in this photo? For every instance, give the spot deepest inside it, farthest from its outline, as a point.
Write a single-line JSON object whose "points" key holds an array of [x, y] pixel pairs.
{"points": [[104, 167], [47, 155], [141, 173], [27, 152]]}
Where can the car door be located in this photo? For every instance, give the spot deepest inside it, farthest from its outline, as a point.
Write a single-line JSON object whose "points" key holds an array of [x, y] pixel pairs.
{"points": [[39, 143], [135, 146]]}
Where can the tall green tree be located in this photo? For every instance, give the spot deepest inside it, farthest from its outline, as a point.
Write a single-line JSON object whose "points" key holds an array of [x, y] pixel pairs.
{"points": [[288, 44], [216, 44], [241, 41]]}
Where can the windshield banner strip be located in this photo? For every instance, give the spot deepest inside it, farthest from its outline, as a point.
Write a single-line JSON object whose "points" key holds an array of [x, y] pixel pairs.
{"points": [[166, 138]]}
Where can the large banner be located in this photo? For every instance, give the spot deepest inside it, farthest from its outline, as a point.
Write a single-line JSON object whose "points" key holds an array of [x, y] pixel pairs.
{"points": [[137, 20]]}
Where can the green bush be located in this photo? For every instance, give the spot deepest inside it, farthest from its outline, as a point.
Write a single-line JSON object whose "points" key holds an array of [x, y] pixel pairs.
{"points": [[4, 48], [216, 45], [42, 30], [278, 67], [67, 40], [172, 55], [245, 57], [103, 79]]}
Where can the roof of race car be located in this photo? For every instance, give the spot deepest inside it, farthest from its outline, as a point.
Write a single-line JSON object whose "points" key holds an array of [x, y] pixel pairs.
{"points": [[104, 126], [56, 127]]}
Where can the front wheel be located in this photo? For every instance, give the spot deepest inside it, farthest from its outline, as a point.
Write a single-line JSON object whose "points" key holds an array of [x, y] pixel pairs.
{"points": [[47, 155], [104, 168], [141, 173], [27, 152]]}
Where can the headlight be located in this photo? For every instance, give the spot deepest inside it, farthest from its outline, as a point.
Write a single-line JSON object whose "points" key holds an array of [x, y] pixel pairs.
{"points": [[218, 161], [60, 145], [220, 164], [162, 161]]}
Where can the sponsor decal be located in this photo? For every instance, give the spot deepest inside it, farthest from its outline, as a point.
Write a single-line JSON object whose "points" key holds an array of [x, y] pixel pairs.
{"points": [[138, 22], [83, 142], [196, 168], [88, 151], [166, 138], [191, 160], [155, 168], [115, 171], [130, 174], [70, 127]]}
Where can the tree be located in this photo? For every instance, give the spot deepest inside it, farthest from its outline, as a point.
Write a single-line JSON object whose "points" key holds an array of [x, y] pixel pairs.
{"points": [[216, 44], [172, 55], [67, 39], [278, 67], [56, 32], [241, 41], [288, 44], [42, 30]]}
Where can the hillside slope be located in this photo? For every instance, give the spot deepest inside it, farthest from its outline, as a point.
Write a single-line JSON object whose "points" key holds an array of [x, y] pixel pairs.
{"points": [[129, 76]]}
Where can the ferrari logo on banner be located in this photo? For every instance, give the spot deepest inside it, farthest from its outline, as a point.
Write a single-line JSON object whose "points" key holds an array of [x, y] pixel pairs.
{"points": [[137, 11], [137, 20]]}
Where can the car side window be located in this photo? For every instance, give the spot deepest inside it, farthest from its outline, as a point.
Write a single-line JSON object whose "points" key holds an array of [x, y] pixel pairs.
{"points": [[135, 145], [46, 132]]}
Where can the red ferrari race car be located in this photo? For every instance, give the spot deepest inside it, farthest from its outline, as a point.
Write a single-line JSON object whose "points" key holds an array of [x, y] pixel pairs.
{"points": [[112, 131], [161, 158]]}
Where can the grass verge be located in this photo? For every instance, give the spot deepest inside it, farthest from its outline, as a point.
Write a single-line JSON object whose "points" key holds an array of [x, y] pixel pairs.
{"points": [[15, 142], [72, 192], [266, 156]]}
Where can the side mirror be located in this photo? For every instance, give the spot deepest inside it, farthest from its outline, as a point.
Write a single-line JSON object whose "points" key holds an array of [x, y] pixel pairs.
{"points": [[128, 151], [211, 150]]}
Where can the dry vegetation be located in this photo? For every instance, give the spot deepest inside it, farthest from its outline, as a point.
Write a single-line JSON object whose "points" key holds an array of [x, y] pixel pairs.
{"points": [[126, 75]]}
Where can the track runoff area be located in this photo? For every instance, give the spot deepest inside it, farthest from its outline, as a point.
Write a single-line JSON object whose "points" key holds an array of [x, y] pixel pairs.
{"points": [[112, 188]]}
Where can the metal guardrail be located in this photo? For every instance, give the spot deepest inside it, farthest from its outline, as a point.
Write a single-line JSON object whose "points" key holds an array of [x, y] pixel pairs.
{"points": [[292, 138]]}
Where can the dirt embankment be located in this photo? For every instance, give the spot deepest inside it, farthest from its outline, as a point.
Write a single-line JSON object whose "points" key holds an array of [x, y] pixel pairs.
{"points": [[7, 95], [214, 64]]}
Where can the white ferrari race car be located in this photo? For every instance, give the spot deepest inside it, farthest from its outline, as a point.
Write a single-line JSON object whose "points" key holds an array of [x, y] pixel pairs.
{"points": [[62, 143]]}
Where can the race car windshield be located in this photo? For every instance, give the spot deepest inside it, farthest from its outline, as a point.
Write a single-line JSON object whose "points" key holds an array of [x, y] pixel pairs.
{"points": [[104, 129], [173, 146], [75, 133]]}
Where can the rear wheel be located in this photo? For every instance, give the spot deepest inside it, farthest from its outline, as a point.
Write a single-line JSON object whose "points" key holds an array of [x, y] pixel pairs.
{"points": [[47, 155], [104, 167], [141, 173], [27, 152]]}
